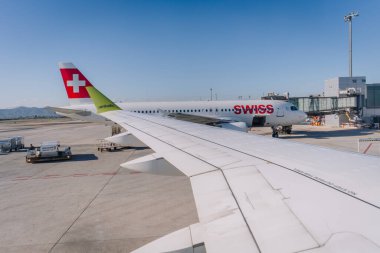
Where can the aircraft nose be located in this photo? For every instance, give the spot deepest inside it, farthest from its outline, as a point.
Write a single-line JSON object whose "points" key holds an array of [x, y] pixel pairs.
{"points": [[303, 116]]}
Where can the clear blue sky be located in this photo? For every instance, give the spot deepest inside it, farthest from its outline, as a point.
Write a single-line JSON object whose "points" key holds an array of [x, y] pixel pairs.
{"points": [[158, 50]]}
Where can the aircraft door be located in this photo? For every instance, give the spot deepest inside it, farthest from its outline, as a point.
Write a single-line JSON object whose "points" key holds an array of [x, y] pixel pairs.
{"points": [[258, 121], [280, 111]]}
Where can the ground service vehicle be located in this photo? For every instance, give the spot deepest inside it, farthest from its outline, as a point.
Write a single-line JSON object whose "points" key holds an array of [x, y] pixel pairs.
{"points": [[19, 142], [11, 144], [48, 151], [5, 146]]}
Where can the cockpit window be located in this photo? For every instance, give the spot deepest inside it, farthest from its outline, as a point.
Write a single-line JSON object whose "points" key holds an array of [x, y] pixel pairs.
{"points": [[293, 108]]}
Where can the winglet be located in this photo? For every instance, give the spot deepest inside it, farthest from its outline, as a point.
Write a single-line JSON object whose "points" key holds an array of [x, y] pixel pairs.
{"points": [[102, 103]]}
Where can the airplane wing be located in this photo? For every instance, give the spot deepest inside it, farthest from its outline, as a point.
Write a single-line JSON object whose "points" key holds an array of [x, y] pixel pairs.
{"points": [[257, 194]]}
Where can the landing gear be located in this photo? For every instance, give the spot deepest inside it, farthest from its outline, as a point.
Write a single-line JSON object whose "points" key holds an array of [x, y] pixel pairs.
{"points": [[281, 129], [275, 131], [287, 129]]}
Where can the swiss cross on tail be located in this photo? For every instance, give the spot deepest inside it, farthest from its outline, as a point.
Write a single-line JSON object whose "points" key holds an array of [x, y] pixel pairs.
{"points": [[75, 82]]}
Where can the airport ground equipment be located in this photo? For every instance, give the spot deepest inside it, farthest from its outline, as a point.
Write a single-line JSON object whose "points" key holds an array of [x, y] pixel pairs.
{"points": [[48, 151], [19, 142], [11, 144], [5, 146], [105, 145]]}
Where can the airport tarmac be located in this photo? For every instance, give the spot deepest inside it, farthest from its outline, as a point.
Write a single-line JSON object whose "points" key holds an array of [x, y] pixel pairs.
{"points": [[345, 139], [90, 204]]}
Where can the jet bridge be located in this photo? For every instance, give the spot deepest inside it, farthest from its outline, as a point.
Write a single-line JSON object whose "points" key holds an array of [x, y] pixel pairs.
{"points": [[314, 106]]}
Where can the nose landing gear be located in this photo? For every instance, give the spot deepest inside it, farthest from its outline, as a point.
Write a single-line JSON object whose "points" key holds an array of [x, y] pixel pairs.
{"points": [[275, 134], [281, 129]]}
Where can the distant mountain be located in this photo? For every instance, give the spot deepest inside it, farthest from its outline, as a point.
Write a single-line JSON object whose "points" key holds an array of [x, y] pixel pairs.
{"points": [[27, 113]]}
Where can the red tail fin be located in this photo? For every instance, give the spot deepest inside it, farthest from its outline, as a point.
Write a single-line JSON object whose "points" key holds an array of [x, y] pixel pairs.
{"points": [[75, 83]]}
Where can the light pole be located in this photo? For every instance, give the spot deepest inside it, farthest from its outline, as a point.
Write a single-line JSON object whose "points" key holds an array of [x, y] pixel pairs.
{"points": [[348, 18], [211, 94]]}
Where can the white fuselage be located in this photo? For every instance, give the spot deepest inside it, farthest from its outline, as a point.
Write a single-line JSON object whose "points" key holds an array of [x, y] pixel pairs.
{"points": [[252, 112]]}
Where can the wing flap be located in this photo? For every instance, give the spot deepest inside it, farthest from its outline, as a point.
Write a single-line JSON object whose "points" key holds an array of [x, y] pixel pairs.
{"points": [[185, 240], [266, 212], [179, 240], [225, 227]]}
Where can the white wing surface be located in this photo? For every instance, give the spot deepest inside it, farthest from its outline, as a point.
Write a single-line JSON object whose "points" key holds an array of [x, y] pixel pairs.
{"points": [[259, 194]]}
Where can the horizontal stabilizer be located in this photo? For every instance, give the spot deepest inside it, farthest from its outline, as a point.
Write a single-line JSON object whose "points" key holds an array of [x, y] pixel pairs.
{"points": [[153, 164], [69, 111], [184, 240], [83, 115]]}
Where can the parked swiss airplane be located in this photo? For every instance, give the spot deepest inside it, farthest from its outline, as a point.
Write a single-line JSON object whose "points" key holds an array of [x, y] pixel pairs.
{"points": [[237, 115]]}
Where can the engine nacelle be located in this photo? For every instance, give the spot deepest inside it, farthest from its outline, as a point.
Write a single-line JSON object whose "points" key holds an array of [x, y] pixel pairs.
{"points": [[237, 126]]}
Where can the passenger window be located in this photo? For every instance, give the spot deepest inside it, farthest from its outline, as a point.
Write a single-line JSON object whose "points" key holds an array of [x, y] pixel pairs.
{"points": [[206, 110]]}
